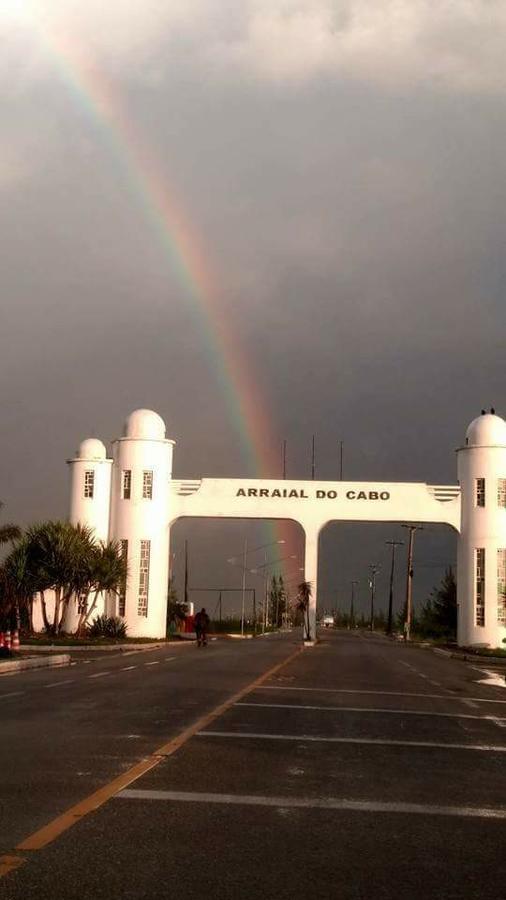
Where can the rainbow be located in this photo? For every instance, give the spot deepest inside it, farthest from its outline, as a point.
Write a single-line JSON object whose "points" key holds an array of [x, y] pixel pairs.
{"points": [[163, 210]]}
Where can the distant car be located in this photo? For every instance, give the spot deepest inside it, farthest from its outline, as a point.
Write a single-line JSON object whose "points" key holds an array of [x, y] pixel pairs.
{"points": [[328, 621]]}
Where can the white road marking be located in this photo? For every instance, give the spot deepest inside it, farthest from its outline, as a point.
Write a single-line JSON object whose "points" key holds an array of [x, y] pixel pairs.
{"points": [[13, 694], [271, 687], [489, 748], [493, 678], [155, 663], [59, 683], [469, 703], [128, 668], [381, 711], [315, 803], [417, 672], [99, 674], [170, 658]]}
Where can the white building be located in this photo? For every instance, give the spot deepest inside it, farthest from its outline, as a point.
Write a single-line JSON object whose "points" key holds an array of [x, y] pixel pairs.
{"points": [[133, 498]]}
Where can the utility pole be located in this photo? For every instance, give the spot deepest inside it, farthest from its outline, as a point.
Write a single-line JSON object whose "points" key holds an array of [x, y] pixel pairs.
{"points": [[394, 545], [409, 581], [372, 584], [244, 584], [352, 604]]}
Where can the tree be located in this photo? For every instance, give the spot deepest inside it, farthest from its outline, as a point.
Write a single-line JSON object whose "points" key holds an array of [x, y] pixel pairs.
{"points": [[9, 533], [439, 614], [17, 586], [104, 572], [59, 556], [304, 592]]}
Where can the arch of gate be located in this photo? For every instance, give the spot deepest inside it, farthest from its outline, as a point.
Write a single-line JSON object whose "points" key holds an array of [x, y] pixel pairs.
{"points": [[314, 504], [133, 499]]}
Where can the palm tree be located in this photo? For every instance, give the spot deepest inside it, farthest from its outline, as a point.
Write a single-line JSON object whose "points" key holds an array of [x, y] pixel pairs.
{"points": [[59, 560], [107, 575], [304, 592], [9, 533], [17, 584]]}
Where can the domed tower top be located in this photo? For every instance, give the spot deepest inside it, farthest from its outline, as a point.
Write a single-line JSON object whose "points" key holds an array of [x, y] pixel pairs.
{"points": [[144, 424], [488, 430], [91, 449]]}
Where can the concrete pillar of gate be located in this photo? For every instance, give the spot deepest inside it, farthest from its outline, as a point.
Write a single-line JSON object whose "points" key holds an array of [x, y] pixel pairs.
{"points": [[311, 573]]}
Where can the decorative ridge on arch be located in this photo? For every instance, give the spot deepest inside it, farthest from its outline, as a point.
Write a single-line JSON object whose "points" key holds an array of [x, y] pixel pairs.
{"points": [[184, 487], [444, 493]]}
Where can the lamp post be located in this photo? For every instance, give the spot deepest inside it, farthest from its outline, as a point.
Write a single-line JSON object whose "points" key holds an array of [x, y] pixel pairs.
{"points": [[233, 561], [393, 545], [267, 565], [352, 604], [409, 580], [372, 584]]}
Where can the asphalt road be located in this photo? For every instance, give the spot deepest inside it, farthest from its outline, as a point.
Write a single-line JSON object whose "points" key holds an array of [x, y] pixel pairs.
{"points": [[361, 768]]}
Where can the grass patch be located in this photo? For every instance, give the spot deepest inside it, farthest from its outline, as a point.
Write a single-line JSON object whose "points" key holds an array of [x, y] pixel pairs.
{"points": [[485, 651], [70, 640]]}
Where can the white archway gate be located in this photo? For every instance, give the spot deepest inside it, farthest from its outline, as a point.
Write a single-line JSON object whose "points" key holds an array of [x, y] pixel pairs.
{"points": [[133, 499], [313, 505]]}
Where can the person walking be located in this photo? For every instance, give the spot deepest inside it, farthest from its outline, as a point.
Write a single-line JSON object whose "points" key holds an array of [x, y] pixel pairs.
{"points": [[201, 627]]}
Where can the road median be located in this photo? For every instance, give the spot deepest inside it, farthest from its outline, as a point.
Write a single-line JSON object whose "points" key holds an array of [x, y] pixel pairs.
{"points": [[34, 662]]}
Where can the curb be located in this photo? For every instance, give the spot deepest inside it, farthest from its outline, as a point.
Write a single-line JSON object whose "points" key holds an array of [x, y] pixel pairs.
{"points": [[17, 665], [90, 648], [465, 657]]}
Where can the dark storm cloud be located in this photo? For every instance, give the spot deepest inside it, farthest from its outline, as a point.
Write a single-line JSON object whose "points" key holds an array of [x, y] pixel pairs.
{"points": [[352, 203]]}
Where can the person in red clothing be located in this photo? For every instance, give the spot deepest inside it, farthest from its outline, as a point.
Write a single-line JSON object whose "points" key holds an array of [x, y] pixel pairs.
{"points": [[201, 627]]}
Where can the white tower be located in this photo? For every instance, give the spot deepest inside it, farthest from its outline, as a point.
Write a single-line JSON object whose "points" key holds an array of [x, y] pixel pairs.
{"points": [[140, 508], [90, 495], [481, 567]]}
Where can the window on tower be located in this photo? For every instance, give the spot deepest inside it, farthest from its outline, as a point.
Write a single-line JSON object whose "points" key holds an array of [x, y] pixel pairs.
{"points": [[126, 487], [147, 484], [501, 586], [480, 586], [142, 602], [89, 484], [123, 585], [501, 492], [480, 492]]}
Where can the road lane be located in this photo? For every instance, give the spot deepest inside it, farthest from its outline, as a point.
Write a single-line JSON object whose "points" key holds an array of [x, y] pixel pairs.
{"points": [[61, 744], [403, 814]]}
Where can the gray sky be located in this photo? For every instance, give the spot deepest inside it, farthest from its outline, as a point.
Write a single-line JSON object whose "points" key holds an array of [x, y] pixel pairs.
{"points": [[343, 166]]}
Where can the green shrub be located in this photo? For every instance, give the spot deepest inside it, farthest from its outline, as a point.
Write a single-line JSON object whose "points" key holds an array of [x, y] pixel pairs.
{"points": [[107, 627]]}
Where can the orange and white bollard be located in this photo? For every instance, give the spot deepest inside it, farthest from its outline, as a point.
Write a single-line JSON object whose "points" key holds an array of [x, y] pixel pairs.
{"points": [[15, 640], [8, 639]]}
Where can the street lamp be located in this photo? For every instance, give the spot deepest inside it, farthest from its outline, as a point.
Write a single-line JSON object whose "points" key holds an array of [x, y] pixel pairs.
{"points": [[245, 554], [372, 584], [393, 545], [409, 580], [352, 604], [265, 567]]}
